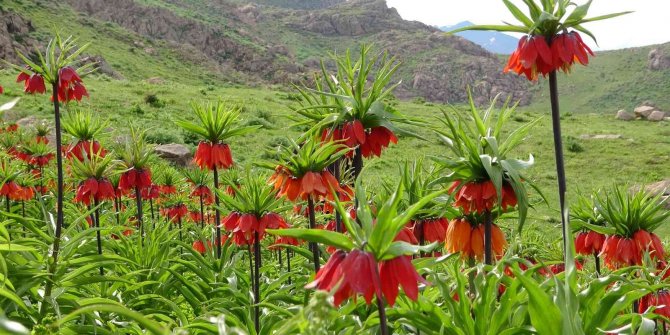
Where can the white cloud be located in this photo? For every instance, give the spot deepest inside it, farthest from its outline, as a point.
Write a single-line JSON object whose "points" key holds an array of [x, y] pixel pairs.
{"points": [[649, 24]]}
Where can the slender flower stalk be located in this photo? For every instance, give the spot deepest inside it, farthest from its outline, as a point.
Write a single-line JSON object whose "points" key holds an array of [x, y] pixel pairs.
{"points": [[217, 123], [552, 43], [66, 85]]}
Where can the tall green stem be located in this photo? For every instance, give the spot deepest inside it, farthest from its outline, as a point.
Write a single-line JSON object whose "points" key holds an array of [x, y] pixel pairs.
{"points": [[312, 225], [558, 150], [217, 213], [488, 245], [59, 200]]}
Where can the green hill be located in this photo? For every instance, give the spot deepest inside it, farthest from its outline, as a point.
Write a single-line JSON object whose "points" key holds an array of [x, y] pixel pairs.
{"points": [[141, 66]]}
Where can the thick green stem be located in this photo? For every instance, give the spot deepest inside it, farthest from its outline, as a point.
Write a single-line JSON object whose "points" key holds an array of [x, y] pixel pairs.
{"points": [[488, 245], [138, 201], [312, 225], [217, 213], [59, 201], [558, 150]]}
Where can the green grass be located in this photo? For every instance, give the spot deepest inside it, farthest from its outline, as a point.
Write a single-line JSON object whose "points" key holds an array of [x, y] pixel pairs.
{"points": [[641, 156]]}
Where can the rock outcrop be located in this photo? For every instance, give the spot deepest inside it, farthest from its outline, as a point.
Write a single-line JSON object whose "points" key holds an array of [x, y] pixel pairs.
{"points": [[15, 35], [658, 60]]}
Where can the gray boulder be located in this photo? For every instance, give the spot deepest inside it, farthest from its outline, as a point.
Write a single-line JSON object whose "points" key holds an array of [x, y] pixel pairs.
{"points": [[178, 154], [644, 111], [656, 116], [625, 116]]}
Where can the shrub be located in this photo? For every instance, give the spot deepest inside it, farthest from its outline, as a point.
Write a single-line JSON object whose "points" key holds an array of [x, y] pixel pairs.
{"points": [[161, 137], [573, 144], [153, 101]]}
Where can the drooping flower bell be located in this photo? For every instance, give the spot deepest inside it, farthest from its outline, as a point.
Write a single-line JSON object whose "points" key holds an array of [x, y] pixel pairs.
{"points": [[353, 134], [33, 83], [478, 197], [660, 300], [213, 155], [135, 178], [70, 86], [249, 224], [352, 273], [94, 189], [589, 243], [432, 230], [176, 213], [462, 237], [11, 189], [534, 56], [204, 192], [2, 90], [315, 184]]}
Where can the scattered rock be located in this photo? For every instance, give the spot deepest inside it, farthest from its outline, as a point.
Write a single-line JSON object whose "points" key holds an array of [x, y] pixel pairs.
{"points": [[644, 111], [601, 137], [656, 116], [625, 116], [156, 81], [658, 60], [175, 153]]}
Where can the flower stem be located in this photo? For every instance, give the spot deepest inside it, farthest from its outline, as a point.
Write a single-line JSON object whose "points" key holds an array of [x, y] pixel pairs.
{"points": [[488, 247], [382, 317], [153, 218], [59, 200], [335, 167], [202, 213], [288, 264], [257, 282], [138, 200], [595, 256], [312, 225], [217, 213], [117, 207], [96, 222], [558, 148]]}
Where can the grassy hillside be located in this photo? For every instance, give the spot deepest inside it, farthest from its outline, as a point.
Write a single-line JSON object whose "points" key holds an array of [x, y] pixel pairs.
{"points": [[613, 80], [590, 96]]}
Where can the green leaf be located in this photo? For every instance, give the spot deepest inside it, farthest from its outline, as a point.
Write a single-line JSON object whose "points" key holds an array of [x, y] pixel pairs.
{"points": [[400, 248], [326, 237], [544, 314], [578, 14], [492, 27], [518, 14]]}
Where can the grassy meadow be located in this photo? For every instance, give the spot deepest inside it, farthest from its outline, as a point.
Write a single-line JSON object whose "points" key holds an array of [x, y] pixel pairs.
{"points": [[640, 156]]}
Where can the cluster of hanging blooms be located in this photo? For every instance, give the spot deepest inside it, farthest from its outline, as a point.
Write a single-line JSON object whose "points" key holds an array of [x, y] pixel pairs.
{"points": [[479, 197], [468, 240], [353, 134], [245, 225], [70, 86], [535, 55], [431, 230], [316, 184], [659, 300], [213, 155], [140, 178], [94, 189], [619, 251], [589, 243], [358, 273]]}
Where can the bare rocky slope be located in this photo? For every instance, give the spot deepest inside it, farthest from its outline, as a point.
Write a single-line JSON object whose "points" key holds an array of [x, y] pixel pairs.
{"points": [[281, 41]]}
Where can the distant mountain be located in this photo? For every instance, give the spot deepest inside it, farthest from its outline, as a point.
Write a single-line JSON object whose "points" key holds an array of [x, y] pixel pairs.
{"points": [[490, 40]]}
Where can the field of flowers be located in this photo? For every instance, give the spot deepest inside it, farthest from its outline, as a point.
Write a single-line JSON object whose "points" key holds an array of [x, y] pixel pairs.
{"points": [[103, 237]]}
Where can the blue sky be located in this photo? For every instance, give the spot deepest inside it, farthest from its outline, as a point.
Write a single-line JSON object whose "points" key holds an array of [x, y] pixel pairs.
{"points": [[649, 24]]}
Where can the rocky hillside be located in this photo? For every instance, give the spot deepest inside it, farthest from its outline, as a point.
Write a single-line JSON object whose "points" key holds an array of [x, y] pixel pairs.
{"points": [[270, 42]]}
